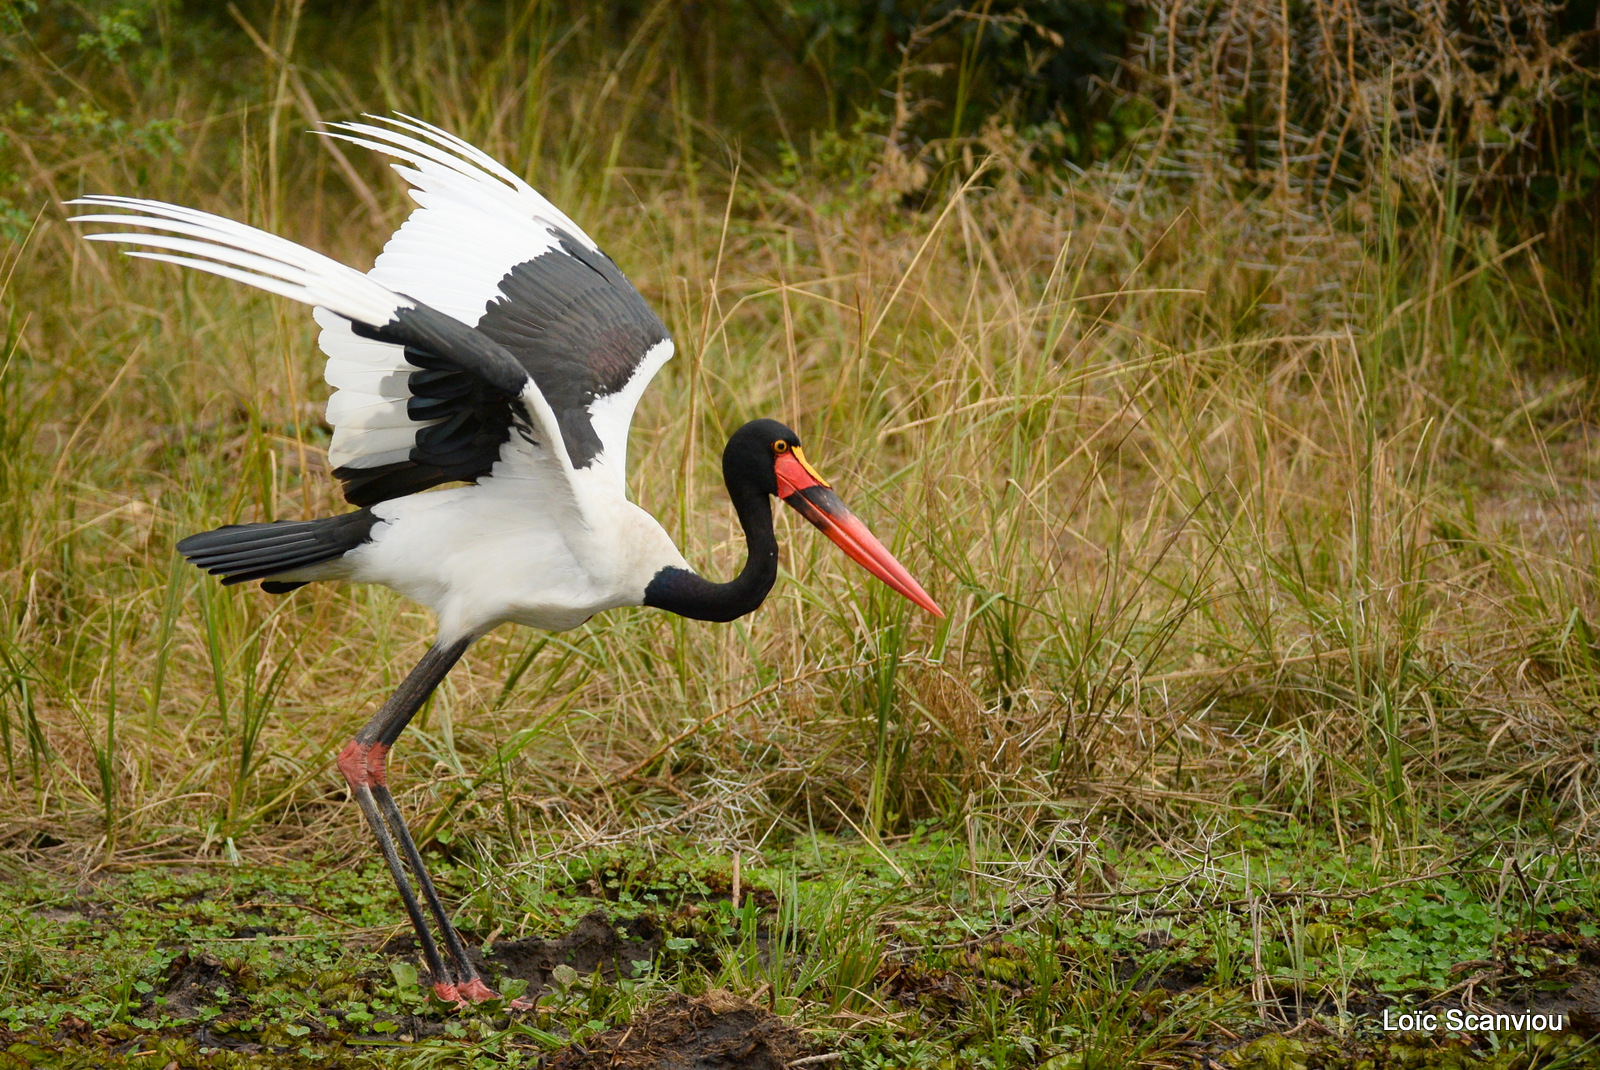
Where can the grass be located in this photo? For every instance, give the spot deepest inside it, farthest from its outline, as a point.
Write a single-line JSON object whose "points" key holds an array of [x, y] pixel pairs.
{"points": [[1262, 519]]}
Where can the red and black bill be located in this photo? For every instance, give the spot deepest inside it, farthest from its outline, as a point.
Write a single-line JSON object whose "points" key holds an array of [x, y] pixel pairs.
{"points": [[808, 494]]}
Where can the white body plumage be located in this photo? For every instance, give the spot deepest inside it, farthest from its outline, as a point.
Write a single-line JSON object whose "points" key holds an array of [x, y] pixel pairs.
{"points": [[491, 553]]}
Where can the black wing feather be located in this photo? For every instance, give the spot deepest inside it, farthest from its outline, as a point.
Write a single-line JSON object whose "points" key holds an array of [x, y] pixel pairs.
{"points": [[473, 393], [579, 327], [568, 317]]}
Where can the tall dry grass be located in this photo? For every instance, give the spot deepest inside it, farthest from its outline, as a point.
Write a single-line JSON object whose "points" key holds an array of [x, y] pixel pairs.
{"points": [[1239, 494]]}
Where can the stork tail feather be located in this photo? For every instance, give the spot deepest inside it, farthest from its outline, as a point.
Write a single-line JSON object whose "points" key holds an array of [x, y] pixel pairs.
{"points": [[243, 552]]}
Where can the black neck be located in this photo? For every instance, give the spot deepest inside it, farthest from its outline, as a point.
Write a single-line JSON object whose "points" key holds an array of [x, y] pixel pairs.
{"points": [[677, 590]]}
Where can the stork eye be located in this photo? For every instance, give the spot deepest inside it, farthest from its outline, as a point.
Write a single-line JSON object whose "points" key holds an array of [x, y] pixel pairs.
{"points": [[780, 446]]}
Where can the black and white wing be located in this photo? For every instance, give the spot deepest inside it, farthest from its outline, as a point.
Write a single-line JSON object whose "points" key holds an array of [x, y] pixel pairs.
{"points": [[493, 382], [487, 251], [484, 247]]}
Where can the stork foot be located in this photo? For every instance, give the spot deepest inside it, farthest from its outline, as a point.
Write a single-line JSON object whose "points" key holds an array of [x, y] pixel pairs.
{"points": [[474, 991]]}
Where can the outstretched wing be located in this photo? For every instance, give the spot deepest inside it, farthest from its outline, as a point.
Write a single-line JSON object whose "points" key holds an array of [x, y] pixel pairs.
{"points": [[495, 383], [484, 247]]}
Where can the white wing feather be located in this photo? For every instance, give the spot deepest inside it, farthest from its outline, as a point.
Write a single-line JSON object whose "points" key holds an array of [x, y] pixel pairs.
{"points": [[254, 257], [269, 263]]}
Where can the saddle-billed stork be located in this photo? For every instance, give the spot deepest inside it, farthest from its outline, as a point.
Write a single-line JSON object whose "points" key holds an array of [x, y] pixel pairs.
{"points": [[491, 344]]}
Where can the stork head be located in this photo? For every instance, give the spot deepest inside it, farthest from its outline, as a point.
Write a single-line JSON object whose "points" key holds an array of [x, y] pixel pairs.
{"points": [[767, 454]]}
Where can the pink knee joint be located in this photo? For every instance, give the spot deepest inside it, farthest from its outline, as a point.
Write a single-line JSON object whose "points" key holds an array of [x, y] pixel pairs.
{"points": [[364, 764]]}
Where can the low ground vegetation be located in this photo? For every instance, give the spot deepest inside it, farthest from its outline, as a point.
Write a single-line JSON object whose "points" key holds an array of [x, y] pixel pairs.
{"points": [[1260, 940]]}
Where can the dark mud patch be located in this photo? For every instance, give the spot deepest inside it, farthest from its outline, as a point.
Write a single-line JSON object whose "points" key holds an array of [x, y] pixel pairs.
{"points": [[718, 1031], [195, 982], [1574, 994], [596, 943], [913, 983]]}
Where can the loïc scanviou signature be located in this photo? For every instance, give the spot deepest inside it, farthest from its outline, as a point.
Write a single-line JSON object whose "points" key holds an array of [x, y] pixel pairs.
{"points": [[1455, 1020]]}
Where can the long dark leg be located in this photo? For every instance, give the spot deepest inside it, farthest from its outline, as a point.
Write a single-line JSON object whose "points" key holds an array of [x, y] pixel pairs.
{"points": [[369, 807], [365, 766], [469, 985]]}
